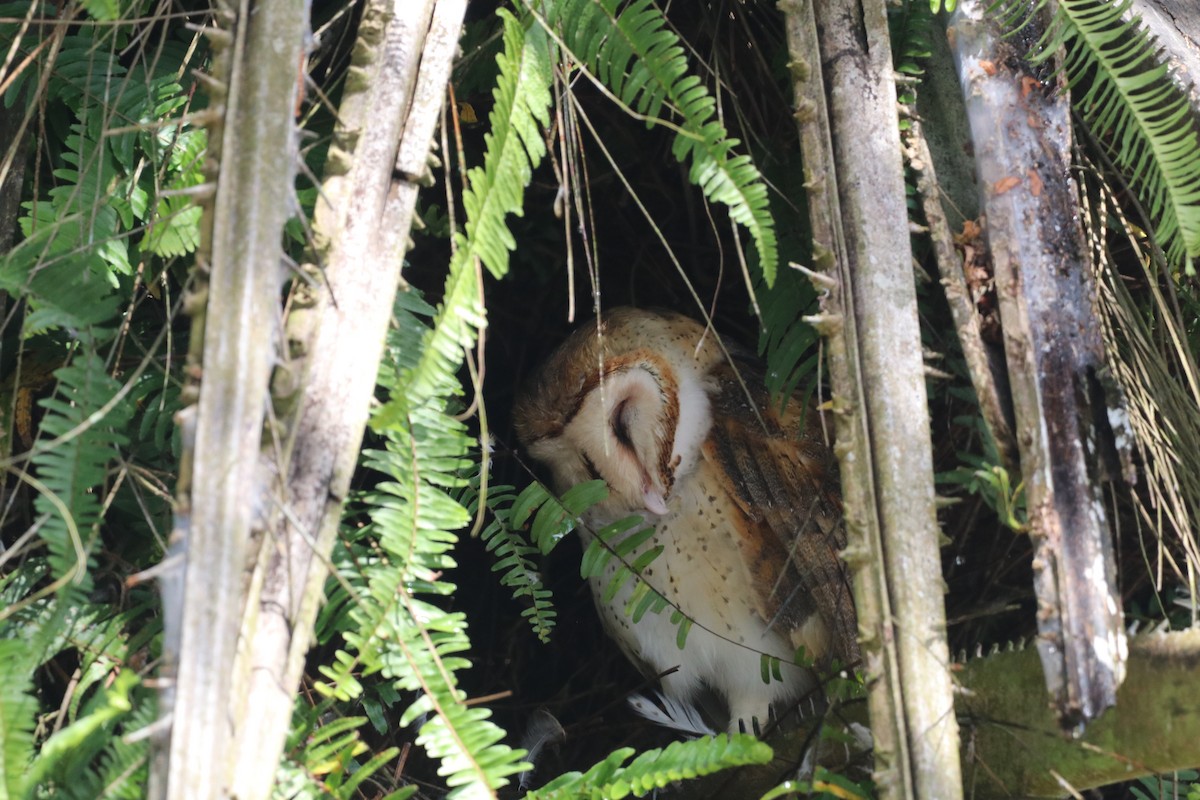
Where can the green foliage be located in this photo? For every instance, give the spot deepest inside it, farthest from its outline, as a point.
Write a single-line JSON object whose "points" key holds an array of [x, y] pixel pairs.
{"points": [[392, 629], [65, 755], [613, 779], [117, 164], [122, 769], [630, 48], [623, 540], [983, 475], [107, 120], [103, 200], [787, 341], [824, 785], [515, 560], [329, 752], [84, 417], [554, 517], [414, 513], [86, 754], [1182, 784], [911, 25], [175, 228], [405, 548], [514, 146], [1133, 106], [17, 710]]}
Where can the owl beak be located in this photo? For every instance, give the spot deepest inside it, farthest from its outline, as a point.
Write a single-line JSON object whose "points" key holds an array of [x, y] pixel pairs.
{"points": [[656, 502]]}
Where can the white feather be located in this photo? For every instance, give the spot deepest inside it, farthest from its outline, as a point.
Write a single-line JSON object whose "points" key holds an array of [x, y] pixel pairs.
{"points": [[672, 713], [543, 730]]}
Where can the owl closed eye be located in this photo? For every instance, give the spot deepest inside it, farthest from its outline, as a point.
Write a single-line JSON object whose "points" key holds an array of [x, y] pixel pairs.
{"points": [[740, 495]]}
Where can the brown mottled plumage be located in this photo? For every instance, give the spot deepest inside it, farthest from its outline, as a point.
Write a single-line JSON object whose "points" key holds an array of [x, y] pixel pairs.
{"points": [[742, 498]]}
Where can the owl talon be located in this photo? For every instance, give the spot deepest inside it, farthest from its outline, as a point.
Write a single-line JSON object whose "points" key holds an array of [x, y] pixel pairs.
{"points": [[750, 726]]}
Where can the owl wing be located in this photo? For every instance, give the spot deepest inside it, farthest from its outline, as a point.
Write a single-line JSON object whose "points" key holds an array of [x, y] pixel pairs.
{"points": [[780, 474]]}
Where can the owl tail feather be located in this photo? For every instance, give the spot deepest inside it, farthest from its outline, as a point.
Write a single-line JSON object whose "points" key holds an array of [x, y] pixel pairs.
{"points": [[671, 713]]}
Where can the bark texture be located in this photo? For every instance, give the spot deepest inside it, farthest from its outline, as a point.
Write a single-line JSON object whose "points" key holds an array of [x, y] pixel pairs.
{"points": [[842, 66], [1022, 134], [257, 518], [235, 327], [335, 334], [985, 367]]}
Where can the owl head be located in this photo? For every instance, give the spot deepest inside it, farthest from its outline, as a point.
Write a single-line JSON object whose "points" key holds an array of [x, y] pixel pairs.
{"points": [[626, 401]]}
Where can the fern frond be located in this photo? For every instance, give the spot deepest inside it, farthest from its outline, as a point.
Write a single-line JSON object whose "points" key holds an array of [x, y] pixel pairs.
{"points": [[634, 52], [514, 560], [554, 517], [1135, 108], [413, 518], [18, 710], [103, 191], [655, 769], [786, 341], [124, 767], [84, 758], [175, 226], [75, 467], [65, 756], [911, 25], [514, 148], [332, 749]]}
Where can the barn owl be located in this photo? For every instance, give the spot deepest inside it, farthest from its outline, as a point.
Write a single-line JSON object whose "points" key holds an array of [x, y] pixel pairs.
{"points": [[740, 496]]}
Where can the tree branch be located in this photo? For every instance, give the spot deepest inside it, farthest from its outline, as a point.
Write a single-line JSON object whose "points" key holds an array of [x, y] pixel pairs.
{"points": [[335, 335], [233, 343], [861, 238], [1022, 135]]}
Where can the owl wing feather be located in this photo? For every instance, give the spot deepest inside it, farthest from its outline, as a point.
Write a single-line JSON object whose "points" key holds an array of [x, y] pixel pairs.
{"points": [[780, 474]]}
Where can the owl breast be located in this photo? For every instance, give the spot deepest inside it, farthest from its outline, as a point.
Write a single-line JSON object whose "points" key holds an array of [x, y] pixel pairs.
{"points": [[700, 571]]}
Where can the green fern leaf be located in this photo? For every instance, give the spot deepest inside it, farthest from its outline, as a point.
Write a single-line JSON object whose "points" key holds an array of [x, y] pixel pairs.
{"points": [[635, 54], [66, 754], [413, 514], [601, 549], [96, 201], [122, 770], [558, 516], [103, 10], [655, 769], [73, 468], [514, 560], [18, 710], [514, 148], [394, 629], [175, 230]]}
